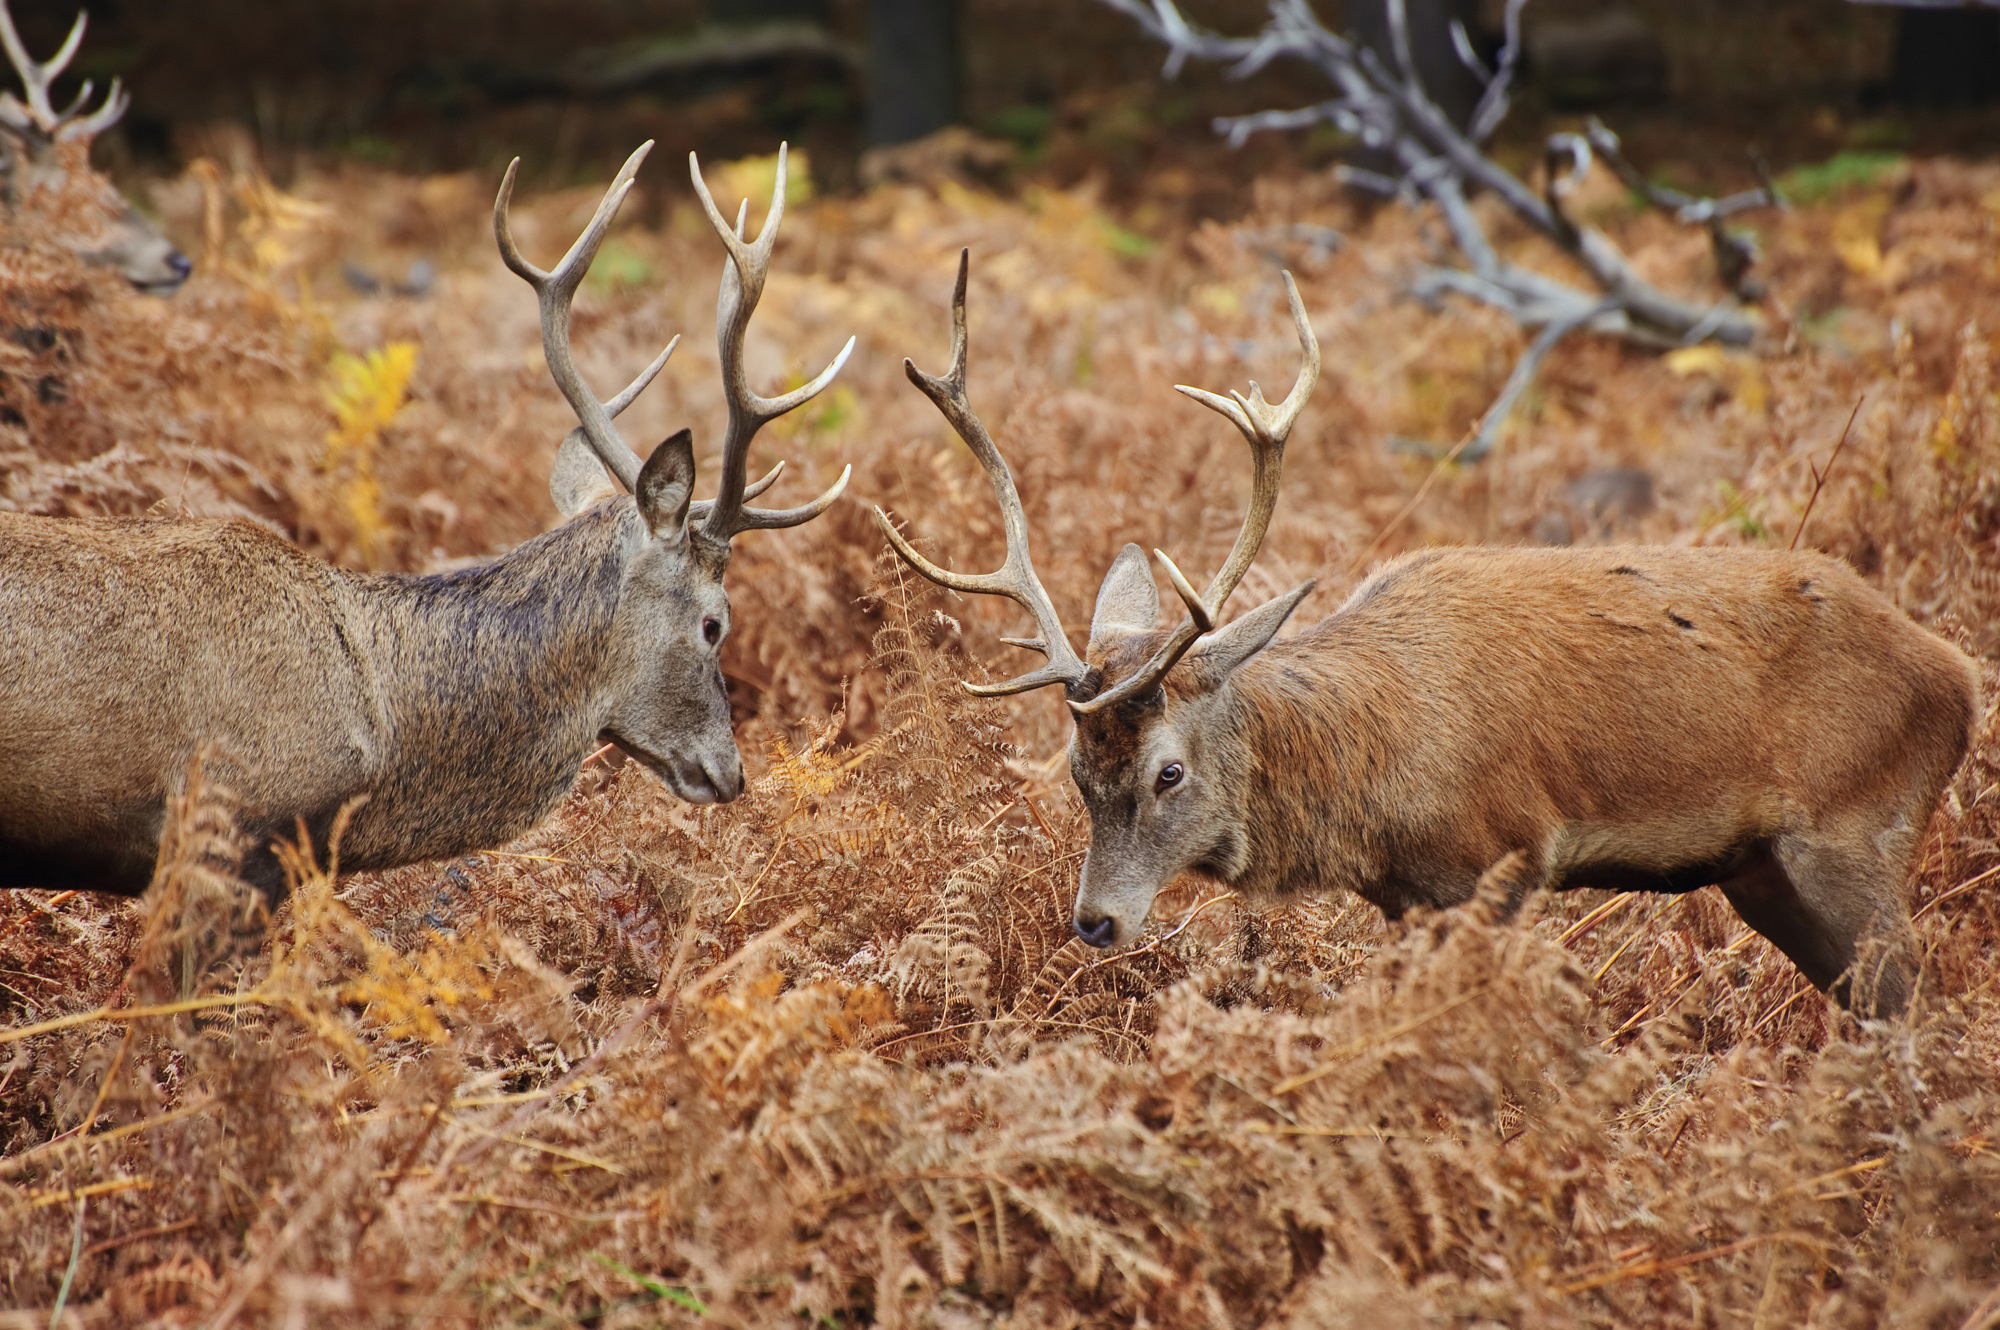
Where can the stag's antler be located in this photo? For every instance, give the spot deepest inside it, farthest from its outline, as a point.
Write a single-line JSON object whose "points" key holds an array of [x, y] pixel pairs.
{"points": [[38, 114], [1015, 578], [555, 290], [1266, 427], [742, 286]]}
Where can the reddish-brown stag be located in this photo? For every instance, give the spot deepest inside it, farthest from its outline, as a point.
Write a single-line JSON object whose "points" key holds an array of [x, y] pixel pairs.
{"points": [[1638, 718]]}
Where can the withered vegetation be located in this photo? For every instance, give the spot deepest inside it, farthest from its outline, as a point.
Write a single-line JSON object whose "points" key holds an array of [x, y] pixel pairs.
{"points": [[828, 1056]]}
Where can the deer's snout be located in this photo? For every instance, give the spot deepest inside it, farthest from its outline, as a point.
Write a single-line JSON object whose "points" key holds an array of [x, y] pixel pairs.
{"points": [[162, 278], [1114, 894], [729, 783], [1099, 931]]}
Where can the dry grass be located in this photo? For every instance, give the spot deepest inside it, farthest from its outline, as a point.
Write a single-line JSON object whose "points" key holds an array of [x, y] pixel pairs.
{"points": [[828, 1056]]}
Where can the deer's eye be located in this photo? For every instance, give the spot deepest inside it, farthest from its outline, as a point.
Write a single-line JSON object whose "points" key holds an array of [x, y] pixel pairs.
{"points": [[711, 631], [1170, 775]]}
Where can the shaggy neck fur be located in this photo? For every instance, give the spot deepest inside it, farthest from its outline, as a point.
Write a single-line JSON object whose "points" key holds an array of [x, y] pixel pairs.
{"points": [[489, 683], [1305, 716]]}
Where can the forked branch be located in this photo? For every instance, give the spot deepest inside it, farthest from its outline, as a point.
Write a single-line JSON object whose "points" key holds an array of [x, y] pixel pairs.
{"points": [[1383, 103], [1015, 578]]}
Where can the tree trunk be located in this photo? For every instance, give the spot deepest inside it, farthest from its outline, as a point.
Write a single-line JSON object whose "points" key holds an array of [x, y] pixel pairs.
{"points": [[912, 68], [1946, 57]]}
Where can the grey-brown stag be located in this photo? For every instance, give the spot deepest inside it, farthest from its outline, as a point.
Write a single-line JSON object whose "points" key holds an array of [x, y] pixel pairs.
{"points": [[1644, 719], [46, 181], [461, 705]]}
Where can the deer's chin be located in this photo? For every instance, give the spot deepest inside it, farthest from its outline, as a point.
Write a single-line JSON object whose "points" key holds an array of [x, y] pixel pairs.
{"points": [[688, 779], [163, 288]]}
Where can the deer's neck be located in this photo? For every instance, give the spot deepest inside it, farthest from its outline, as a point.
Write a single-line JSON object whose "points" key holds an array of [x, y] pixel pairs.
{"points": [[490, 685], [1312, 721]]}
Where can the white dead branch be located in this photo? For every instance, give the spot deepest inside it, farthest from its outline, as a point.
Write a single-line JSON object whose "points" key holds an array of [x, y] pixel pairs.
{"points": [[1440, 164]]}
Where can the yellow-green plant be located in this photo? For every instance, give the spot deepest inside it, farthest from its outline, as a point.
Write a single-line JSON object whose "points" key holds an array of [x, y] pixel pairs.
{"points": [[366, 392]]}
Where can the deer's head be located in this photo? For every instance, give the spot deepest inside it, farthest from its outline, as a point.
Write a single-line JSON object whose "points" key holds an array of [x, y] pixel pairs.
{"points": [[667, 703], [1154, 754], [45, 171]]}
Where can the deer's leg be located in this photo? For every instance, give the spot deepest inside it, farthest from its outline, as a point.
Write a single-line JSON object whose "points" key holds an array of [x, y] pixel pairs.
{"points": [[1836, 908], [1508, 880]]}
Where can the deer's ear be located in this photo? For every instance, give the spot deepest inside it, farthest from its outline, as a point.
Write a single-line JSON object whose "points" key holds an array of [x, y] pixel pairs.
{"points": [[1229, 646], [1127, 602], [666, 483], [579, 479]]}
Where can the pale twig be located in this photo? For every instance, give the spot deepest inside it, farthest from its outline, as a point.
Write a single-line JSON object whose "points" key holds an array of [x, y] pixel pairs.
{"points": [[1651, 1266], [1956, 891], [1355, 565], [1531, 359], [1819, 476], [62, 1195], [70, 1142], [1598, 915], [1986, 1315], [1356, 1047], [104, 1245], [253, 997]]}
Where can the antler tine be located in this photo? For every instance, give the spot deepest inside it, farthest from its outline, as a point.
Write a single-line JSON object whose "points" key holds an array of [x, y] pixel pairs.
{"points": [[554, 291], [1266, 428], [116, 101], [76, 103], [644, 380], [725, 516], [37, 75], [1015, 578], [770, 478]]}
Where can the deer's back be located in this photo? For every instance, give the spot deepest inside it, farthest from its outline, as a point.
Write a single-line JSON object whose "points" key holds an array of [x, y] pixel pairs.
{"points": [[1654, 706], [128, 645]]}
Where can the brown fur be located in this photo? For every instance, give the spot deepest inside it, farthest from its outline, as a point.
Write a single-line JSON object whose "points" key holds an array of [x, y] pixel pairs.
{"points": [[461, 705], [1652, 719]]}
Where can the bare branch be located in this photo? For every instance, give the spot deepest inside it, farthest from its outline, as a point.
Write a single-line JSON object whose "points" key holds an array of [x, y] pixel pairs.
{"points": [[1681, 207], [1494, 102], [1383, 103], [1524, 373], [1735, 252]]}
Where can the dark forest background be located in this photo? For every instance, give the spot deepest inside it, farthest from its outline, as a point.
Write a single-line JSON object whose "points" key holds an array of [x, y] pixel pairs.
{"points": [[455, 84]]}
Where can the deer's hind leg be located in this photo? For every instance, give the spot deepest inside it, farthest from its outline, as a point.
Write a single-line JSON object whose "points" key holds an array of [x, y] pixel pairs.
{"points": [[1835, 906]]}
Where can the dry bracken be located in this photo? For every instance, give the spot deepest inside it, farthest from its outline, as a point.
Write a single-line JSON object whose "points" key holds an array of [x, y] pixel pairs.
{"points": [[830, 1055]]}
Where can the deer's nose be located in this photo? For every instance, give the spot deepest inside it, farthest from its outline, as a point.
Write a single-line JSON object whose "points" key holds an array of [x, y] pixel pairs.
{"points": [[1098, 932], [181, 264], [728, 784]]}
